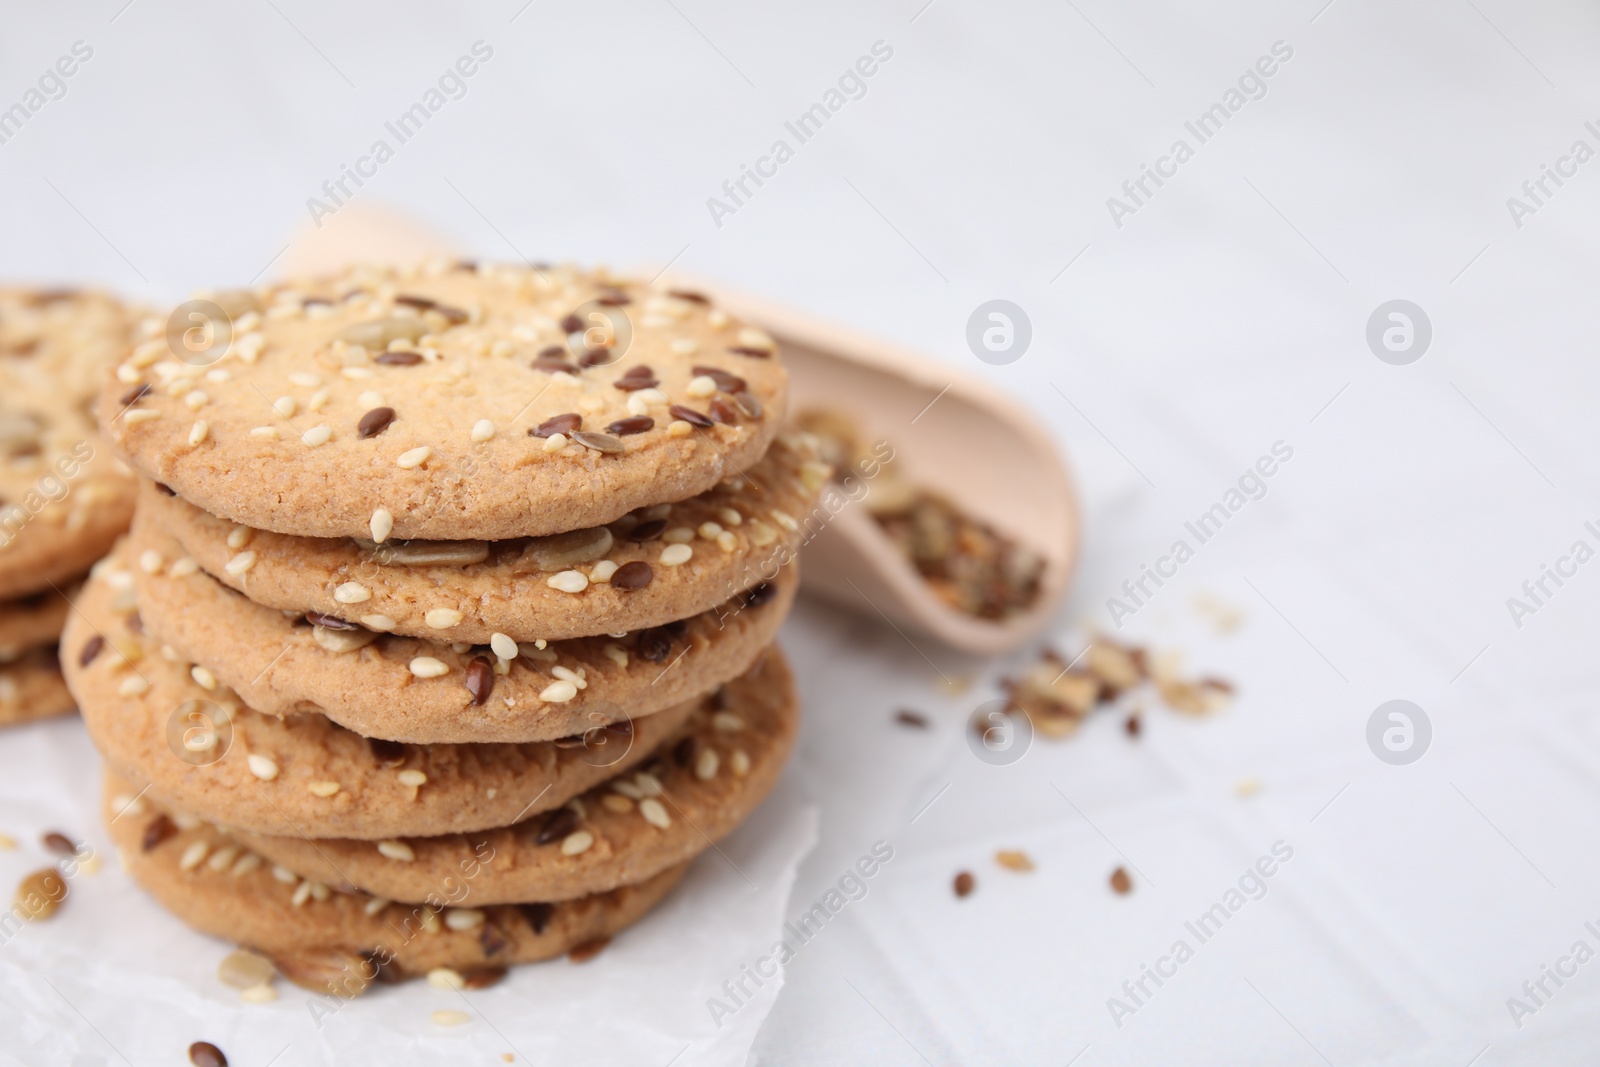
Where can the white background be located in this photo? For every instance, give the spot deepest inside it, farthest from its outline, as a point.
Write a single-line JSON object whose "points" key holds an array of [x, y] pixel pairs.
{"points": [[1227, 314]]}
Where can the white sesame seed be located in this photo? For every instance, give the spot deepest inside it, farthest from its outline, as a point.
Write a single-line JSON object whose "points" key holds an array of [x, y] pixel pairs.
{"points": [[727, 541], [482, 430], [717, 318], [709, 530], [370, 399], [249, 347], [305, 379], [322, 789], [258, 994], [559, 692], [706, 763], [602, 571], [263, 767], [284, 874], [133, 686], [413, 458], [676, 555], [381, 623], [319, 400], [202, 677], [375, 905], [649, 785], [463, 918], [302, 893], [245, 864], [627, 789], [784, 519], [218, 375], [654, 813], [240, 536], [199, 432], [701, 387], [285, 406], [570, 675], [445, 978], [357, 373], [555, 442], [449, 1017], [576, 842], [726, 722], [739, 762], [269, 433], [679, 428], [678, 535], [412, 777], [428, 667], [317, 436], [442, 618], [150, 561], [684, 346], [503, 646], [761, 535], [223, 858], [193, 855], [569, 581], [750, 337], [138, 415], [352, 593], [382, 525], [617, 803], [730, 517], [196, 400], [616, 654], [637, 405], [397, 850]]}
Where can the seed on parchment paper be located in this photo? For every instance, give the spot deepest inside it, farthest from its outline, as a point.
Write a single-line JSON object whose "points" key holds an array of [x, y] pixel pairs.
{"points": [[1014, 860], [56, 841], [205, 1054], [1121, 882], [243, 969], [907, 717], [965, 883], [1132, 726], [40, 894]]}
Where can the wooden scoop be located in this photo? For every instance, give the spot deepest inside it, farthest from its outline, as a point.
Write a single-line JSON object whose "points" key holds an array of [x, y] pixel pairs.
{"points": [[951, 432]]}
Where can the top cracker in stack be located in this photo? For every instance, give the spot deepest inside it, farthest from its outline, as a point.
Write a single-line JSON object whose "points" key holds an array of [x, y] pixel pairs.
{"points": [[470, 460]]}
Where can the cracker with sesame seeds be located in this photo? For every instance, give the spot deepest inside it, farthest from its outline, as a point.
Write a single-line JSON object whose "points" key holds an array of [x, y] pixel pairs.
{"points": [[607, 580], [207, 752], [64, 498], [695, 789], [332, 940], [424, 692], [429, 393]]}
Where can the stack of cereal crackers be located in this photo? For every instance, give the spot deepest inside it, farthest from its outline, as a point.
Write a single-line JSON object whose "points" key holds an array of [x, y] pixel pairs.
{"points": [[443, 636], [63, 499]]}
